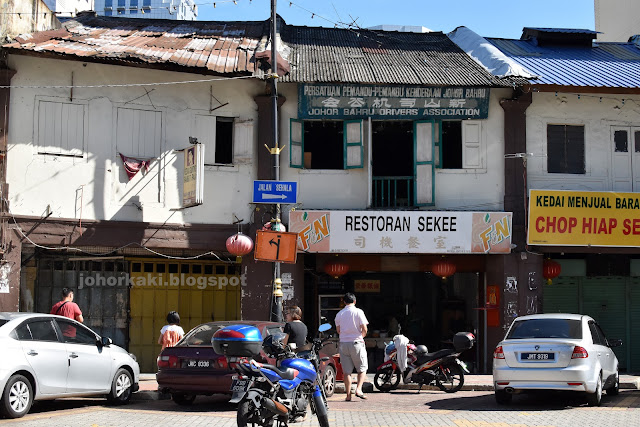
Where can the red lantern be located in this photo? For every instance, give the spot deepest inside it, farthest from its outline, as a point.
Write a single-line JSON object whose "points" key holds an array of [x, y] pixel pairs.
{"points": [[336, 268], [239, 244], [550, 270], [443, 268]]}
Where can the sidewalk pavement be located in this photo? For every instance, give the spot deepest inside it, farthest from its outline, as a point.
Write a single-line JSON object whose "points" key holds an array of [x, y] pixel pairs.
{"points": [[149, 386]]}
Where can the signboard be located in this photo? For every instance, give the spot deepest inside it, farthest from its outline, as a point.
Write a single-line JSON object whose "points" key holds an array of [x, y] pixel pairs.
{"points": [[276, 246], [354, 101], [362, 285], [402, 232], [583, 218], [275, 192], [193, 176]]}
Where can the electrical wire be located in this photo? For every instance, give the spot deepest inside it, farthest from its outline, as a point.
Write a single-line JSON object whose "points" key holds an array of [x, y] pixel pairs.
{"points": [[79, 250], [127, 84]]}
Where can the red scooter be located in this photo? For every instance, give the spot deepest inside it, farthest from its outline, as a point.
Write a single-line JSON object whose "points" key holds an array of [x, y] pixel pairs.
{"points": [[441, 368]]}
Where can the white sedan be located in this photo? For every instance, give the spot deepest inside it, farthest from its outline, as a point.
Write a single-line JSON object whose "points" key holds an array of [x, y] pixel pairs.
{"points": [[567, 352], [48, 357]]}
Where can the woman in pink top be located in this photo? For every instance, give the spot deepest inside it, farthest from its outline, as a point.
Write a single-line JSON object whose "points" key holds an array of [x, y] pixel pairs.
{"points": [[172, 333]]}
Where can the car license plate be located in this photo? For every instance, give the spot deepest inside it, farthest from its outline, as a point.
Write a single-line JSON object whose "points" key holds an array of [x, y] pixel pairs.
{"points": [[192, 363], [239, 385], [537, 356]]}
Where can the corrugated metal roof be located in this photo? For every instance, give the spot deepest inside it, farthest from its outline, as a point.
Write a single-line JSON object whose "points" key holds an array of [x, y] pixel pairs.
{"points": [[218, 47], [612, 65], [314, 54], [366, 56]]}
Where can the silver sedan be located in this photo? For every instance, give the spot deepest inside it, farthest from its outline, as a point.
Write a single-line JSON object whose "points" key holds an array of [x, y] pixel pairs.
{"points": [[48, 357], [567, 352]]}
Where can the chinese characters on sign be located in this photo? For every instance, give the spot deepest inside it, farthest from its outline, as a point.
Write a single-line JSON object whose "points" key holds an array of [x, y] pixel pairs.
{"points": [[361, 285], [193, 176], [402, 232], [344, 101]]}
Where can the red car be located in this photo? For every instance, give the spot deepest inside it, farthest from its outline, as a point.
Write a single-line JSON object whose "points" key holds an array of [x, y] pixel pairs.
{"points": [[193, 368]]}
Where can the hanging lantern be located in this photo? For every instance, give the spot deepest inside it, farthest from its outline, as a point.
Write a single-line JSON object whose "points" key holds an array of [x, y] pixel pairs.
{"points": [[443, 268], [336, 268], [239, 244], [550, 269]]}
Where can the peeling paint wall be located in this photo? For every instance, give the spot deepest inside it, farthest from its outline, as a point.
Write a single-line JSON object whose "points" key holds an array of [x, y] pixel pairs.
{"points": [[95, 186]]}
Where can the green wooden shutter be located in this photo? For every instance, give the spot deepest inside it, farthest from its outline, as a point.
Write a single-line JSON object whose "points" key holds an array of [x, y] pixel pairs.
{"points": [[437, 144], [423, 166], [353, 146], [296, 143]]}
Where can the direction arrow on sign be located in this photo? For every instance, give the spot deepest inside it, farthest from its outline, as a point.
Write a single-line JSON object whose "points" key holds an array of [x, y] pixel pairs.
{"points": [[276, 246], [275, 192]]}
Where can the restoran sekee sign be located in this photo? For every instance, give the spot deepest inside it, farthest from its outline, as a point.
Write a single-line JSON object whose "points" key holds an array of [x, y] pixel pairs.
{"points": [[353, 101], [584, 218], [402, 232]]}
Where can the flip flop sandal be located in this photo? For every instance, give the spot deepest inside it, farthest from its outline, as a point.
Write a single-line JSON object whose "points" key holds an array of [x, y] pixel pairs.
{"points": [[361, 396]]}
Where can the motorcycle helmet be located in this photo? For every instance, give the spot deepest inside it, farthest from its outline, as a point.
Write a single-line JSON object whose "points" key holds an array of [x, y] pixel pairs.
{"points": [[422, 349], [272, 345]]}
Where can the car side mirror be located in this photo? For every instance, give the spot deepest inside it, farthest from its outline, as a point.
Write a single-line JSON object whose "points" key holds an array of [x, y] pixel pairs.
{"points": [[106, 342], [615, 342]]}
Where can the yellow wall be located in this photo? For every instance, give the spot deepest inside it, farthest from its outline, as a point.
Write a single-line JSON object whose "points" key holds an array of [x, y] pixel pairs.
{"points": [[200, 291]]}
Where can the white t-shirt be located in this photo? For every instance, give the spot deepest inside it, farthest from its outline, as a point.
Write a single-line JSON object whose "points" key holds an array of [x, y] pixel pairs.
{"points": [[349, 320]]}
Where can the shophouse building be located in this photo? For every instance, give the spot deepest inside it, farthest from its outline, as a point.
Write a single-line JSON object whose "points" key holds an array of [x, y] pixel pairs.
{"points": [[397, 143], [582, 159]]}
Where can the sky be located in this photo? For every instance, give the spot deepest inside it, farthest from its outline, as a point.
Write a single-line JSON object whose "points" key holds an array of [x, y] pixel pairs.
{"points": [[489, 18]]}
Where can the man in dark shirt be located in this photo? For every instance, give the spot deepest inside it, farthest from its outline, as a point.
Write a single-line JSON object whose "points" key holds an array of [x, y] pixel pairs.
{"points": [[294, 328]]}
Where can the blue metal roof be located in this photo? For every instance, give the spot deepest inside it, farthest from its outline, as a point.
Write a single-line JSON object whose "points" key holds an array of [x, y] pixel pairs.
{"points": [[611, 65]]}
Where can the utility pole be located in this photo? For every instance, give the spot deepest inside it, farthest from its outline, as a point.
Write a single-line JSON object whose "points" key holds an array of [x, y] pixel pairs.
{"points": [[276, 311]]}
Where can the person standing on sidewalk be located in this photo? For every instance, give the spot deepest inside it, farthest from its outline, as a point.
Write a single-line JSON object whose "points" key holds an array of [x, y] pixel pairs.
{"points": [[172, 333], [351, 324], [66, 307]]}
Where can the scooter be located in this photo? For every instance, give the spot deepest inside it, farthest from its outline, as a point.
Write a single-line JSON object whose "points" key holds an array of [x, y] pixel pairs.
{"points": [[442, 368], [268, 394]]}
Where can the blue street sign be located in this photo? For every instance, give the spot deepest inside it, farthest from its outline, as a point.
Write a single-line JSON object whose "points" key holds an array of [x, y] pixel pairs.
{"points": [[275, 192]]}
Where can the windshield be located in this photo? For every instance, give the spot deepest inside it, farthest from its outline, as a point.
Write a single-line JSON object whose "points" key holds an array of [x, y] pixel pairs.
{"points": [[199, 336], [545, 328]]}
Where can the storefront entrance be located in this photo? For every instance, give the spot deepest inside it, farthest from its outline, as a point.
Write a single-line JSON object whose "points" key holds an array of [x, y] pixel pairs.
{"points": [[425, 308]]}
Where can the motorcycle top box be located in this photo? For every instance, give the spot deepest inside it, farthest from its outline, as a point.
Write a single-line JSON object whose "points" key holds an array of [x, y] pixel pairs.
{"points": [[238, 341], [463, 341]]}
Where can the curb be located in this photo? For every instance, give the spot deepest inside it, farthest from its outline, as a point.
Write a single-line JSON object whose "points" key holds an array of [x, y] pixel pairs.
{"points": [[367, 387]]}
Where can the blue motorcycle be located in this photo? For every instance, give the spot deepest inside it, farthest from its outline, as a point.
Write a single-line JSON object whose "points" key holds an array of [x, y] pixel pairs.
{"points": [[268, 394]]}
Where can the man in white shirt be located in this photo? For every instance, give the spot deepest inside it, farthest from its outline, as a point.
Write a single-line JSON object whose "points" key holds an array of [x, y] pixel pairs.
{"points": [[351, 324]]}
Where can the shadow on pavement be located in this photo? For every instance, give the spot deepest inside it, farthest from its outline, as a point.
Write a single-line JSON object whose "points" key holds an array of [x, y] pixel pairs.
{"points": [[531, 402], [206, 404]]}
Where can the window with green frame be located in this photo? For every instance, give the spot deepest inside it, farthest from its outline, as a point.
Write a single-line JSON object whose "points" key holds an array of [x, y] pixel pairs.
{"points": [[326, 144]]}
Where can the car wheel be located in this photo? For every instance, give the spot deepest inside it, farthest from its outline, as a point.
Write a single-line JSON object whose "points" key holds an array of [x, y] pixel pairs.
{"points": [[595, 398], [329, 380], [183, 399], [121, 387], [615, 388], [17, 397], [503, 398]]}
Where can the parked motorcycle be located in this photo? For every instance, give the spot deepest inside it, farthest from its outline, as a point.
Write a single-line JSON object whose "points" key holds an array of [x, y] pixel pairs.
{"points": [[442, 368], [268, 394]]}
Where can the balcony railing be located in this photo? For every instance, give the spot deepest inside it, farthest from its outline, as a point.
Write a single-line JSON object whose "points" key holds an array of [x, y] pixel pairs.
{"points": [[392, 191]]}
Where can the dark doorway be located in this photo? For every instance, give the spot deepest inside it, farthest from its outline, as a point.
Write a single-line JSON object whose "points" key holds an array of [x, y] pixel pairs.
{"points": [[392, 165]]}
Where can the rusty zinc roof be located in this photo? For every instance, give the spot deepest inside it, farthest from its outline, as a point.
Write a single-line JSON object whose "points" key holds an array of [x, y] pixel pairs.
{"points": [[310, 54], [382, 57], [203, 46]]}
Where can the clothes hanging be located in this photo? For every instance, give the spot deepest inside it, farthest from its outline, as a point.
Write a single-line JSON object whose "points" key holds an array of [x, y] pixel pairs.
{"points": [[133, 165]]}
